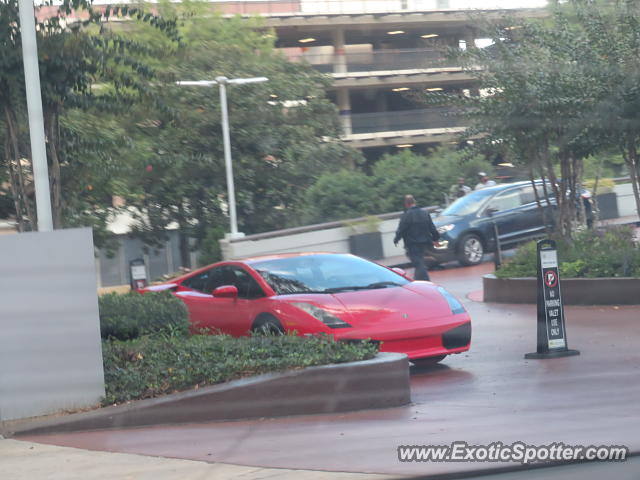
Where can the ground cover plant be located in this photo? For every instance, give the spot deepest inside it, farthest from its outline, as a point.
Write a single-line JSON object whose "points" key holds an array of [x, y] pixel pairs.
{"points": [[160, 364], [590, 254]]}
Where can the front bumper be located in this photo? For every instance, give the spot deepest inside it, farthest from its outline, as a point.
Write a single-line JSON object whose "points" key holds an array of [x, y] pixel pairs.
{"points": [[444, 337], [444, 252]]}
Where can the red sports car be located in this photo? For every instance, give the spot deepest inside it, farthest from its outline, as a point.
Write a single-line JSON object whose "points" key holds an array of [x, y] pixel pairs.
{"points": [[339, 294]]}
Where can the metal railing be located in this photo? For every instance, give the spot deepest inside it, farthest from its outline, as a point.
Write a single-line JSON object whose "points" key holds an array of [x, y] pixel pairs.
{"points": [[381, 60], [444, 117]]}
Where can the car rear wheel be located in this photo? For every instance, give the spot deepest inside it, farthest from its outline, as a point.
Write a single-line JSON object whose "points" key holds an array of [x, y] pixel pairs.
{"points": [[471, 250], [427, 361], [267, 325]]}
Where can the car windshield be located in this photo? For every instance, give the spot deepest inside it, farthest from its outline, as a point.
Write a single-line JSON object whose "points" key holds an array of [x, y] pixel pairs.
{"points": [[325, 273], [468, 204]]}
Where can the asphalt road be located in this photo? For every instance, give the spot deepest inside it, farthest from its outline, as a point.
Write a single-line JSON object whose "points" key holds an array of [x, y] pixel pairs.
{"points": [[487, 395]]}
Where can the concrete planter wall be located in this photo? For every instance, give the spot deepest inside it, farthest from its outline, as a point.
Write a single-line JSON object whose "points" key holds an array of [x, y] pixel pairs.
{"points": [[377, 383], [607, 206], [367, 245], [575, 291]]}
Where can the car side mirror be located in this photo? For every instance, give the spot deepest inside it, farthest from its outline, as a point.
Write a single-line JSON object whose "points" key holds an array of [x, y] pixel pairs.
{"points": [[226, 291], [490, 211]]}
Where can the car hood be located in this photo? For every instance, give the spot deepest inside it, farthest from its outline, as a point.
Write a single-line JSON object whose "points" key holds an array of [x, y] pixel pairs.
{"points": [[445, 220], [412, 302]]}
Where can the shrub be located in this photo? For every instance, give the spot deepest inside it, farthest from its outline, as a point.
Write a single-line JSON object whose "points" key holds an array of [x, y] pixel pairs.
{"points": [[155, 365], [591, 254], [132, 315]]}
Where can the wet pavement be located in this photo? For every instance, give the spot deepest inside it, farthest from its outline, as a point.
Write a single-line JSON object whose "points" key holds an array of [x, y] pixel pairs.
{"points": [[488, 394]]}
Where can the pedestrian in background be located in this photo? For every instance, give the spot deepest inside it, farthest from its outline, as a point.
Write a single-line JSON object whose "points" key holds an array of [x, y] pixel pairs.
{"points": [[484, 181], [418, 232], [459, 189]]}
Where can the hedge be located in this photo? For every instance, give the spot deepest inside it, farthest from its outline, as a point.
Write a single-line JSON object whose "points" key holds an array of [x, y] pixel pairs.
{"points": [[160, 364], [132, 315]]}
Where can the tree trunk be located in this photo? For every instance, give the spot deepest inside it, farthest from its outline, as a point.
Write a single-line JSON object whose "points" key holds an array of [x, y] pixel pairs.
{"points": [[21, 199], [51, 119], [13, 182], [183, 239]]}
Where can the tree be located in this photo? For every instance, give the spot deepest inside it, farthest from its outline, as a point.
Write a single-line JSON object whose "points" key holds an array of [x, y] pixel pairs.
{"points": [[282, 133], [428, 178], [75, 52], [340, 195], [612, 32], [352, 193], [534, 101]]}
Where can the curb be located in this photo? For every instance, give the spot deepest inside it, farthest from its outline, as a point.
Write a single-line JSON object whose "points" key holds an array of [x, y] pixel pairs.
{"points": [[575, 291], [324, 389]]}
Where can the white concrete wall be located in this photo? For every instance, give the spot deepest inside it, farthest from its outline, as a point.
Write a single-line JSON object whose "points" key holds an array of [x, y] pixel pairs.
{"points": [[337, 239], [626, 201], [325, 240], [50, 349]]}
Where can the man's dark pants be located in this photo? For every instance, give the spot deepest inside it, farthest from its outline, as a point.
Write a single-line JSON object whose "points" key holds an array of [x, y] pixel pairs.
{"points": [[416, 252]]}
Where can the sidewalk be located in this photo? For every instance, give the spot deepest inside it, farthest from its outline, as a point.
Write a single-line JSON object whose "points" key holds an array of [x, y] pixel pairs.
{"points": [[34, 461]]}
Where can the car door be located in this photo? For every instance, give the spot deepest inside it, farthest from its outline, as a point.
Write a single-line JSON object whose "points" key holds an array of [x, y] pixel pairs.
{"points": [[242, 311], [195, 292], [531, 219], [232, 316], [504, 210]]}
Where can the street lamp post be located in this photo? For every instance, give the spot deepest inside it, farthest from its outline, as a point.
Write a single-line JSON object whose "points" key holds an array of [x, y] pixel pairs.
{"points": [[222, 82], [36, 119]]}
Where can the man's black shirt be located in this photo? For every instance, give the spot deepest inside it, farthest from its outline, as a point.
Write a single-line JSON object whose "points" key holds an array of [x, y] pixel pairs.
{"points": [[416, 227]]}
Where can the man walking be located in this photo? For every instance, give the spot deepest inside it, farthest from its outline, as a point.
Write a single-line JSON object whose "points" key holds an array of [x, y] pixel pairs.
{"points": [[418, 232]]}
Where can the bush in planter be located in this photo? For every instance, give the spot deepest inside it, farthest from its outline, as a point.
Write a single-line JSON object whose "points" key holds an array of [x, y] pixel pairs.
{"points": [[591, 254], [132, 315]]}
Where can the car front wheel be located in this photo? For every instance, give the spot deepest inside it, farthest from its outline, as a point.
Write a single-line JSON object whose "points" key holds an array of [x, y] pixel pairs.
{"points": [[267, 325], [471, 250]]}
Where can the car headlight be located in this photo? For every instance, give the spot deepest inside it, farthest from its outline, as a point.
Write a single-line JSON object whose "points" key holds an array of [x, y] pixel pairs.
{"points": [[454, 304], [325, 317], [446, 228]]}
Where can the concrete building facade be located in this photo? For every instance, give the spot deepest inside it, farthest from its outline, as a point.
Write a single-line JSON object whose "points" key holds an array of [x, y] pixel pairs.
{"points": [[381, 55]]}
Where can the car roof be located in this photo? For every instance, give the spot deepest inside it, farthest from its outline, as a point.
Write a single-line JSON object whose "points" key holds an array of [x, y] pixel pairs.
{"points": [[504, 186]]}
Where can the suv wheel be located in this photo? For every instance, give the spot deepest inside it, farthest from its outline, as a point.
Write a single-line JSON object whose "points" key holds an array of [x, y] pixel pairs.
{"points": [[471, 250]]}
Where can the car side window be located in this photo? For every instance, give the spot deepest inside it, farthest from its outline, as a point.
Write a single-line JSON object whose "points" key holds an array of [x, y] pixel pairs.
{"points": [[528, 195], [506, 200], [220, 276], [198, 282], [247, 287]]}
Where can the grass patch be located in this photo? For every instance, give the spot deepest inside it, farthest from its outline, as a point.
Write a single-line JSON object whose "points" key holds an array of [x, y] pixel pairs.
{"points": [[160, 364]]}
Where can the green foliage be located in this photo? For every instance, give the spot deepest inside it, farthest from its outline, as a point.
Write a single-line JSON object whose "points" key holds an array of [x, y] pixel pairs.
{"points": [[133, 315], [427, 178], [210, 249], [345, 194], [523, 264], [559, 90], [591, 254], [282, 132], [157, 365], [83, 65], [368, 224], [352, 193]]}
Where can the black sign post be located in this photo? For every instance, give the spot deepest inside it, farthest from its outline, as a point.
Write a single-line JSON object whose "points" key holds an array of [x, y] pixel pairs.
{"points": [[138, 274], [552, 335]]}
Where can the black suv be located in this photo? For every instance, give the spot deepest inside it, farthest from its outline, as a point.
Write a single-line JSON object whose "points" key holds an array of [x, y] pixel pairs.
{"points": [[467, 225]]}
